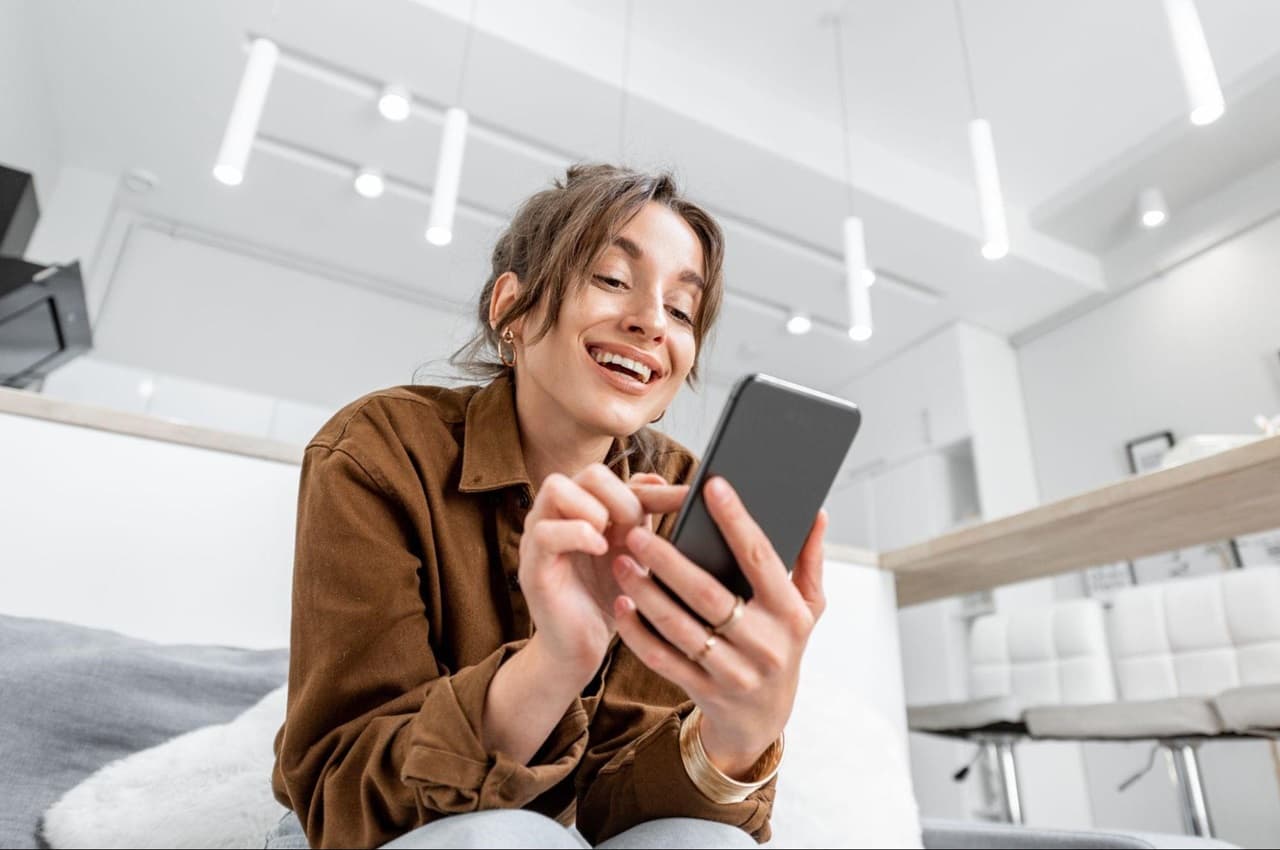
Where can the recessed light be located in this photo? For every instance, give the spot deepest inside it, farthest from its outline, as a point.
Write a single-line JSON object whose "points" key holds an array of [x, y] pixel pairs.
{"points": [[394, 103], [799, 324], [369, 183]]}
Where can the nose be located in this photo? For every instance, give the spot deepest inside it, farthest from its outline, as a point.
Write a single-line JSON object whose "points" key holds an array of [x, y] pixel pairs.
{"points": [[647, 314]]}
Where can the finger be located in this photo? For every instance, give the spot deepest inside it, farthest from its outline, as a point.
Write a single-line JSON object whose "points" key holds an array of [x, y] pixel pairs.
{"points": [[611, 491], [560, 497], [656, 654], [807, 575], [677, 626], [756, 556], [647, 479], [699, 589], [553, 537], [661, 499], [641, 482]]}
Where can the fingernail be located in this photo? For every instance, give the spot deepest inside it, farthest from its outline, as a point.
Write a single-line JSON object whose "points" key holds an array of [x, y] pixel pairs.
{"points": [[639, 538], [718, 489], [639, 568], [624, 605]]}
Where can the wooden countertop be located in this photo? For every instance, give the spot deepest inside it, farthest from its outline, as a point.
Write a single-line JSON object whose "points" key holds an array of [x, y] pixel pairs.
{"points": [[1232, 493], [34, 405]]}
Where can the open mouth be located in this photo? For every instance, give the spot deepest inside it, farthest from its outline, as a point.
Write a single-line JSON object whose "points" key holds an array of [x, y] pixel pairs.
{"points": [[614, 362]]}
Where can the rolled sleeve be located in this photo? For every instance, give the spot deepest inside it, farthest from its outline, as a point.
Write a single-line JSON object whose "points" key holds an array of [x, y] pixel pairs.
{"points": [[446, 762]]}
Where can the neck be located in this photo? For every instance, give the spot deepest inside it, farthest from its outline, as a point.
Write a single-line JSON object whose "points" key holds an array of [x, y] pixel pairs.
{"points": [[550, 439]]}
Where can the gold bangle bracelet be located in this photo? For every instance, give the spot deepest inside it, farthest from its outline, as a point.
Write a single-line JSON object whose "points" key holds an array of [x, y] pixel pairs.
{"points": [[711, 780]]}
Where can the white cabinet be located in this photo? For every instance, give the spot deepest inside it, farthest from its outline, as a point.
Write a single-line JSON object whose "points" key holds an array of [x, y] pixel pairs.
{"points": [[912, 403]]}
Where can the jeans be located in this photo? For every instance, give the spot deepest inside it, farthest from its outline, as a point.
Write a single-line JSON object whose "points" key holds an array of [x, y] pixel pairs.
{"points": [[520, 828]]}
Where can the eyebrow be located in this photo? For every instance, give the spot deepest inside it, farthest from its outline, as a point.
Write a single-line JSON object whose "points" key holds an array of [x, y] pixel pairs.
{"points": [[634, 252]]}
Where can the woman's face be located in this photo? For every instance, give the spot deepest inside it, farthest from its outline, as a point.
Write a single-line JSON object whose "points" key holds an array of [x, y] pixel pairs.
{"points": [[624, 343]]}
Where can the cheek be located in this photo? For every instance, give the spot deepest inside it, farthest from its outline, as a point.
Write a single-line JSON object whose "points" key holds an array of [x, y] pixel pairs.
{"points": [[684, 350]]}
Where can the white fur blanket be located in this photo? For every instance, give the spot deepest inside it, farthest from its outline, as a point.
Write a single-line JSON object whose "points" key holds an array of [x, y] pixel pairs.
{"points": [[207, 788], [844, 783]]}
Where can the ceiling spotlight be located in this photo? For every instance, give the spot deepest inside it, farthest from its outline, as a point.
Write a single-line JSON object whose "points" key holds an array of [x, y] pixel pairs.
{"points": [[1152, 209], [394, 103], [799, 324], [369, 183]]}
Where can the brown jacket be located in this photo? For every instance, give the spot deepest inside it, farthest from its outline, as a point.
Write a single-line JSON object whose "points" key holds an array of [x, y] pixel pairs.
{"points": [[406, 602]]}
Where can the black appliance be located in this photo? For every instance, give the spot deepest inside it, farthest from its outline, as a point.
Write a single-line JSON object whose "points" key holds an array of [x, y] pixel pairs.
{"points": [[43, 320]]}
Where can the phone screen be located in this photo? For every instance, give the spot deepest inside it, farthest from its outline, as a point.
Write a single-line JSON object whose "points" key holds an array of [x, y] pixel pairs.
{"points": [[780, 446]]}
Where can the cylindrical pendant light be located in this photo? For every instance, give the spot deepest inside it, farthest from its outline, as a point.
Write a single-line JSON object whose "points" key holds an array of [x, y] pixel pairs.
{"points": [[1152, 209], [995, 229], [1194, 60], [856, 277], [453, 142], [233, 156], [444, 194]]}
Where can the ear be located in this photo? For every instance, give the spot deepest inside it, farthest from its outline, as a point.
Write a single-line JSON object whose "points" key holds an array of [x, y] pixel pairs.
{"points": [[505, 291]]}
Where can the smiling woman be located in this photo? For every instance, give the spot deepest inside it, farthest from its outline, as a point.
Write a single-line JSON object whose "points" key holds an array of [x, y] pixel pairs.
{"points": [[468, 587]]}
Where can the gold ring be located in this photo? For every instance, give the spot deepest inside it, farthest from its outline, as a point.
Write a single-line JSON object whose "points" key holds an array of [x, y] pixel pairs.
{"points": [[712, 640], [739, 606]]}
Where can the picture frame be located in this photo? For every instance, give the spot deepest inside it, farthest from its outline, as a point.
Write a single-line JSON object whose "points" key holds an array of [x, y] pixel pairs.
{"points": [[1146, 453]]}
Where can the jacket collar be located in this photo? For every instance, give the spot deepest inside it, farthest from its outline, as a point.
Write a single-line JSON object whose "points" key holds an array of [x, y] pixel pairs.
{"points": [[492, 457]]}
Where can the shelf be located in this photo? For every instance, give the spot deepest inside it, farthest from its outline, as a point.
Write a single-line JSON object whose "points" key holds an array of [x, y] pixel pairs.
{"points": [[36, 406], [1228, 494]]}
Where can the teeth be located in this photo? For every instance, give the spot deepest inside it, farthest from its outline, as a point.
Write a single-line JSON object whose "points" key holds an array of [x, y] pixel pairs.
{"points": [[642, 371]]}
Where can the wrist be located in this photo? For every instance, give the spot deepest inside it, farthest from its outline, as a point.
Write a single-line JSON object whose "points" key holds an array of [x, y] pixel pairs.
{"points": [[570, 674], [710, 779], [733, 759]]}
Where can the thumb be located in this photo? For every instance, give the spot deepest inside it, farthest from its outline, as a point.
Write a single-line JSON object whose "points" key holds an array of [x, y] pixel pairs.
{"points": [[647, 479]]}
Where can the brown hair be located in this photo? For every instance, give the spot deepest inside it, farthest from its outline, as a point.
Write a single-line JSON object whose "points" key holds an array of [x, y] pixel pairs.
{"points": [[558, 233]]}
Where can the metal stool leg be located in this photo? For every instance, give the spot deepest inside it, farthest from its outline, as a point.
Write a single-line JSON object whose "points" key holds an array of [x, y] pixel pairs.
{"points": [[1186, 772], [999, 754]]}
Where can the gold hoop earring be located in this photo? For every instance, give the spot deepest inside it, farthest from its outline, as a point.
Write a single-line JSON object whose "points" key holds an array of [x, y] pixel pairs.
{"points": [[659, 419], [510, 339]]}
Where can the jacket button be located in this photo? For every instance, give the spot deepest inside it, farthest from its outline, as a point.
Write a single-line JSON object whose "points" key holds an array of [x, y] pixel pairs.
{"points": [[513, 582]]}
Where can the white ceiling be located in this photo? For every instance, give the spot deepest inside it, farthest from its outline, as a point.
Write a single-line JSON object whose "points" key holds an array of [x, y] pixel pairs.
{"points": [[739, 97]]}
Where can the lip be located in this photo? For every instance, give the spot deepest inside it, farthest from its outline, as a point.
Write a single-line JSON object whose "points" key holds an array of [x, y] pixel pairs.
{"points": [[627, 385], [632, 353]]}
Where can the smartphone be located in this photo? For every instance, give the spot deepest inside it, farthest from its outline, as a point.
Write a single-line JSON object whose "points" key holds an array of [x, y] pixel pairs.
{"points": [[780, 446]]}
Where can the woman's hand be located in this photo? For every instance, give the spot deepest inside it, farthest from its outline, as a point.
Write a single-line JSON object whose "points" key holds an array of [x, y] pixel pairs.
{"points": [[574, 530], [745, 683]]}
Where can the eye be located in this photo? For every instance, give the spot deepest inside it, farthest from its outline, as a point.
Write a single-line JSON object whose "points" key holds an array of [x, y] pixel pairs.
{"points": [[611, 282], [681, 315]]}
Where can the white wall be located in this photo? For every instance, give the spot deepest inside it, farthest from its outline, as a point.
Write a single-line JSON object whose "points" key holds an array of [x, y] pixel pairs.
{"points": [[230, 318], [28, 134], [151, 539], [1193, 351]]}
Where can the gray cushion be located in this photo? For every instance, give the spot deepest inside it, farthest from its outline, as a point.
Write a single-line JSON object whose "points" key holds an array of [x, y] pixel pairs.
{"points": [[992, 714], [76, 698], [1252, 708], [1126, 720]]}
